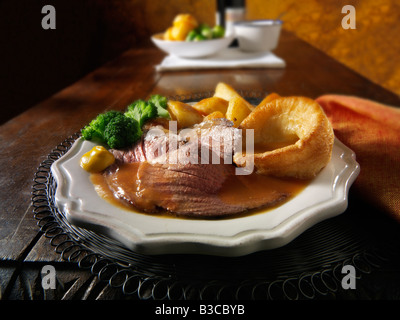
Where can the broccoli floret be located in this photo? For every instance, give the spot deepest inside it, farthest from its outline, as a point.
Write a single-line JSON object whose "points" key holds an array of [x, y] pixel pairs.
{"points": [[96, 127], [161, 104], [90, 133], [159, 100], [118, 129], [141, 111], [121, 132], [112, 128]]}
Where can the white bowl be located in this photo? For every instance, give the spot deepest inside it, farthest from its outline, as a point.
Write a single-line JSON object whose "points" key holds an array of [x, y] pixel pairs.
{"points": [[258, 35], [192, 49]]}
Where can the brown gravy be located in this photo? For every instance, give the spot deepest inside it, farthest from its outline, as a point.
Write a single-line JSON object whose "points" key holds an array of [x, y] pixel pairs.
{"points": [[102, 189], [236, 189]]}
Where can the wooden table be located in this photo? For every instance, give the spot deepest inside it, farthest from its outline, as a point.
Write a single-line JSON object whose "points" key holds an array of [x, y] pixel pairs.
{"points": [[27, 139]]}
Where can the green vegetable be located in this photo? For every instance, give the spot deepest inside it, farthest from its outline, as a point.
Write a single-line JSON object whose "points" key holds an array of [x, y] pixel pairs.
{"points": [[161, 104], [121, 132], [218, 32], [141, 111], [199, 37], [112, 128], [191, 35], [96, 127], [118, 129], [205, 32]]}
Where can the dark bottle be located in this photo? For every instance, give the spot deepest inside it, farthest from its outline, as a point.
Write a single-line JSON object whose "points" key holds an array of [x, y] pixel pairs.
{"points": [[230, 11]]}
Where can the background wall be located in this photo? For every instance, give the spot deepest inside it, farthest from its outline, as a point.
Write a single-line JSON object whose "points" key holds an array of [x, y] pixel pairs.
{"points": [[35, 63], [372, 49]]}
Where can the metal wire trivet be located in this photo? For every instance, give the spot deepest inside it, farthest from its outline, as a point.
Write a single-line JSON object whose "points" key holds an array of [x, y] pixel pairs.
{"points": [[309, 267]]}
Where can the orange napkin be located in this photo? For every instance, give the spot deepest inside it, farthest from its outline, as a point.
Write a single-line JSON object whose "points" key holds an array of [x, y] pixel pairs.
{"points": [[372, 131]]}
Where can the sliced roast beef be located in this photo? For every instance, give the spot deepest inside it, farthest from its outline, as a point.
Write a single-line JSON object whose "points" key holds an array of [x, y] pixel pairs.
{"points": [[159, 174], [154, 143], [216, 135]]}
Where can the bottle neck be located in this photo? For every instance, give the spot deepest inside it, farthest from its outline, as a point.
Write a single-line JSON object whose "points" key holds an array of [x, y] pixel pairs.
{"points": [[228, 12]]}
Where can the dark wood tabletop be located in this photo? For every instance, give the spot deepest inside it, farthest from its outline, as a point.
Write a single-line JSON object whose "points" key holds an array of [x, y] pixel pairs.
{"points": [[27, 139]]}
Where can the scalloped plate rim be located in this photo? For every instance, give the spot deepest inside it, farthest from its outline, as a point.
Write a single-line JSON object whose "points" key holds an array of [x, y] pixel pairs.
{"points": [[117, 226]]}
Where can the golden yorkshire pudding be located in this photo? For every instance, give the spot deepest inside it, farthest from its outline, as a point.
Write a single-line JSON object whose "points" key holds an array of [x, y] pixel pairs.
{"points": [[292, 138]]}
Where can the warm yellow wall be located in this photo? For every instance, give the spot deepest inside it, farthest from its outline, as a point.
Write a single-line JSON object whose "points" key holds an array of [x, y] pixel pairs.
{"points": [[372, 49]]}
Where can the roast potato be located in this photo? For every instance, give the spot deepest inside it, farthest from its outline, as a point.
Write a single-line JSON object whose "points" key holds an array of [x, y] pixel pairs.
{"points": [[180, 31], [209, 105], [168, 34], [214, 115], [226, 92], [237, 110], [183, 113], [183, 23]]}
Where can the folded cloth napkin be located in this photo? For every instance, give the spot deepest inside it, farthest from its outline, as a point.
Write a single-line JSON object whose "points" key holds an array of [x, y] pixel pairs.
{"points": [[227, 58], [372, 131]]}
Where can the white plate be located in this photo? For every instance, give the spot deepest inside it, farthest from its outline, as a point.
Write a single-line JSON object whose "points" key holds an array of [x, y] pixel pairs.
{"points": [[325, 197], [192, 49]]}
